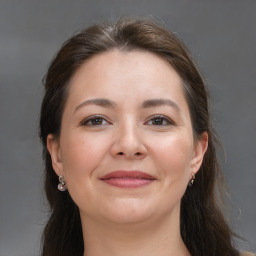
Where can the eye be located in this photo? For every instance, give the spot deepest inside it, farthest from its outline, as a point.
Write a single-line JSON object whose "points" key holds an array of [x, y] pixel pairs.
{"points": [[95, 120], [160, 120]]}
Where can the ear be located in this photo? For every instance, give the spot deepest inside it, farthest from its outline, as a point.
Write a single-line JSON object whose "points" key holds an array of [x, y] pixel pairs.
{"points": [[200, 148], [53, 147]]}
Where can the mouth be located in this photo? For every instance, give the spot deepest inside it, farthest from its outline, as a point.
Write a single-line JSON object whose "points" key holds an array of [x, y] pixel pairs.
{"points": [[128, 179]]}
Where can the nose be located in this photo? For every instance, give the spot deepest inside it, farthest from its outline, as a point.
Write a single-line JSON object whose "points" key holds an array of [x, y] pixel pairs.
{"points": [[128, 143]]}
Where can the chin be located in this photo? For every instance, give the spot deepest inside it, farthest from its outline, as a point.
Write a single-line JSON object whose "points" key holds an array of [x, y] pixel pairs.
{"points": [[128, 211], [127, 218]]}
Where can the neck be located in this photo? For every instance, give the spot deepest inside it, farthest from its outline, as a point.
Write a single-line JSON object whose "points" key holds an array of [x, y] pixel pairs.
{"points": [[147, 238]]}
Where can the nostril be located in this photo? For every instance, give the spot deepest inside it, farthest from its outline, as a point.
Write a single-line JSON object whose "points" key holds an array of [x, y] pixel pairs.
{"points": [[136, 154]]}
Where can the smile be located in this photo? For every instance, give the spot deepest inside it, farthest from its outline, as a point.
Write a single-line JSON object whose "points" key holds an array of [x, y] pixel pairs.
{"points": [[128, 179]]}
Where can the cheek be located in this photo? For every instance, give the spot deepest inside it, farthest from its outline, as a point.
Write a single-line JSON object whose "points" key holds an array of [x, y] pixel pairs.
{"points": [[173, 156], [81, 154]]}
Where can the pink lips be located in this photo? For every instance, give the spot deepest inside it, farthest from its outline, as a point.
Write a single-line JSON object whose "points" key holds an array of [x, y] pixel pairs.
{"points": [[128, 179]]}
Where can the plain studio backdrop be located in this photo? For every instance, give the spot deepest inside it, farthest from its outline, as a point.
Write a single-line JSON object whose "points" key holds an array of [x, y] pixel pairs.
{"points": [[221, 35]]}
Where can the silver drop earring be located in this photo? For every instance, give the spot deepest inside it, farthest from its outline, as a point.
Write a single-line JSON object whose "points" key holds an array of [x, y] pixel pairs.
{"points": [[191, 182], [62, 185]]}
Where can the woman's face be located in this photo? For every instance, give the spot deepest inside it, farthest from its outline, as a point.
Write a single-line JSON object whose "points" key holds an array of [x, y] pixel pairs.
{"points": [[126, 147]]}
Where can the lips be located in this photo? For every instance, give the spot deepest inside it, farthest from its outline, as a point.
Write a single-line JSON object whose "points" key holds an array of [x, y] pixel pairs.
{"points": [[128, 179]]}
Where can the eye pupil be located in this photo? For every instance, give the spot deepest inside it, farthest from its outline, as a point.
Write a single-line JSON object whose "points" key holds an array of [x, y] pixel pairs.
{"points": [[158, 121], [96, 121]]}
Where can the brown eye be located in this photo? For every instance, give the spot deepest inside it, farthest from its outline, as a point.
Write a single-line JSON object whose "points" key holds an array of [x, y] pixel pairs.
{"points": [[94, 121], [160, 121]]}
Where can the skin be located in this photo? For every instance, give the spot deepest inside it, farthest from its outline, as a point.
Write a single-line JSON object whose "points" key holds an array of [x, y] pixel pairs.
{"points": [[128, 135]]}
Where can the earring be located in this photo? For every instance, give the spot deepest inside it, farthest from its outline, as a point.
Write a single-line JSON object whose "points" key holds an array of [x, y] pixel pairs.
{"points": [[62, 185], [191, 182]]}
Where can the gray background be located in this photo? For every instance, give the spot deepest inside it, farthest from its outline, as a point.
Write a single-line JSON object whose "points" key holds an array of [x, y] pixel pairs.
{"points": [[221, 36]]}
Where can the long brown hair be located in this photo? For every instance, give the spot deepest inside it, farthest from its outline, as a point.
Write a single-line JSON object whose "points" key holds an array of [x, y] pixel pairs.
{"points": [[203, 226]]}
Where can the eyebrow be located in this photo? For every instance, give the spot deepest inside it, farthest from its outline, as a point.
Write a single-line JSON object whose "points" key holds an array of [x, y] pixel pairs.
{"points": [[146, 104], [98, 102], [160, 102]]}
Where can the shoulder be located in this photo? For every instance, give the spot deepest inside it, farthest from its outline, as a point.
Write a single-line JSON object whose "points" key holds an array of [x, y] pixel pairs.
{"points": [[246, 254]]}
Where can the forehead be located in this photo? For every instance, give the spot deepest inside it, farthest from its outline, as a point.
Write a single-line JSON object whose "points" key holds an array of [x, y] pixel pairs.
{"points": [[139, 71]]}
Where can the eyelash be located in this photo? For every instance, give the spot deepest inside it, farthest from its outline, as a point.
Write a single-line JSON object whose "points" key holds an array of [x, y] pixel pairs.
{"points": [[163, 118], [164, 121], [86, 121]]}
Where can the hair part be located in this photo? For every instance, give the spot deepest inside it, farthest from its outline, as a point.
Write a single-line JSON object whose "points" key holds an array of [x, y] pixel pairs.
{"points": [[204, 229]]}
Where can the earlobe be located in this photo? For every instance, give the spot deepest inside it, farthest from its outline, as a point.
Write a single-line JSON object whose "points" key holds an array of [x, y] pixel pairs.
{"points": [[54, 150], [199, 150]]}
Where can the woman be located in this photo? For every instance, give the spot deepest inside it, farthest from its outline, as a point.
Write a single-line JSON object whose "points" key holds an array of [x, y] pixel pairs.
{"points": [[128, 142]]}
